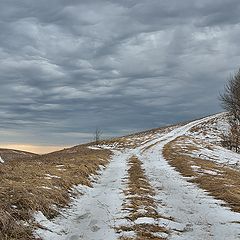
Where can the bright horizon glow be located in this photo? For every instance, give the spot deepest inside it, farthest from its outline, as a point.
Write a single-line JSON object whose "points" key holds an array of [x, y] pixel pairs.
{"points": [[38, 149]]}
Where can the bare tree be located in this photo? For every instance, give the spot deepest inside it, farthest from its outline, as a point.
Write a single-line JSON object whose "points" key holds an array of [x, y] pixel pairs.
{"points": [[231, 97], [230, 100], [97, 135]]}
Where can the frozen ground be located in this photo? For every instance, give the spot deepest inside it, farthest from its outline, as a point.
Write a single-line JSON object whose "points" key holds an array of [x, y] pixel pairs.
{"points": [[93, 215], [195, 215], [217, 154]]}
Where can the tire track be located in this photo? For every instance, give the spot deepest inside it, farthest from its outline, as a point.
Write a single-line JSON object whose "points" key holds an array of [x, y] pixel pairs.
{"points": [[142, 218]]}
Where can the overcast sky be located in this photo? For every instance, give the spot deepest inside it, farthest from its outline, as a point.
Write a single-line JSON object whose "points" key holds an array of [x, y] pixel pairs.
{"points": [[69, 66]]}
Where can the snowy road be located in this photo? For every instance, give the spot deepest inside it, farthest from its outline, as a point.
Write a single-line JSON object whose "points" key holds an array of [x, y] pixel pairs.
{"points": [[195, 214], [92, 216]]}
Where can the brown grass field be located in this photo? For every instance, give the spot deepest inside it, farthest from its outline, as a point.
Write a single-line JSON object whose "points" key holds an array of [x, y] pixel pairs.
{"points": [[43, 183], [223, 186]]}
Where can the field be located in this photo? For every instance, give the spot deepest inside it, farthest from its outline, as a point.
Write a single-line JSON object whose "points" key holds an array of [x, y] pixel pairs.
{"points": [[176, 182]]}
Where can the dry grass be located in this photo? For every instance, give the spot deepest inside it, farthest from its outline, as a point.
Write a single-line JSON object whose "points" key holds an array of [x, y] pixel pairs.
{"points": [[224, 185], [10, 154], [139, 203], [137, 139], [43, 183]]}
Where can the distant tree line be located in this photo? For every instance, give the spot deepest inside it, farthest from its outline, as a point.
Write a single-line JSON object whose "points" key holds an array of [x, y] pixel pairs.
{"points": [[230, 100]]}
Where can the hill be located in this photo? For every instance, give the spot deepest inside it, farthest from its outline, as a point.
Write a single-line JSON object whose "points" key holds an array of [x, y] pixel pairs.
{"points": [[11, 154], [175, 182]]}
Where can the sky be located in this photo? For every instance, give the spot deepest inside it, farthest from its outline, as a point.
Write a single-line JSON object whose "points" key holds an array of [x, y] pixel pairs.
{"points": [[69, 66]]}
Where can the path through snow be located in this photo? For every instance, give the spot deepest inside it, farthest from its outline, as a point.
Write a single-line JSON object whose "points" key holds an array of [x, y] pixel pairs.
{"points": [[197, 216], [92, 216]]}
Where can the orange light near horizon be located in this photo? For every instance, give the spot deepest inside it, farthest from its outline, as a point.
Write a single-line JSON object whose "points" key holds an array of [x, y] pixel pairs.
{"points": [[39, 149]]}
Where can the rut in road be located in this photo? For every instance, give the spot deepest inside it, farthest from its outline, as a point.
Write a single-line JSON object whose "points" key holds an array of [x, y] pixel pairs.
{"points": [[142, 217]]}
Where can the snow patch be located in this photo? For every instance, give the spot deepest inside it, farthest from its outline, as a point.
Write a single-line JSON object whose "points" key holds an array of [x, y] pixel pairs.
{"points": [[49, 176], [94, 148], [144, 220]]}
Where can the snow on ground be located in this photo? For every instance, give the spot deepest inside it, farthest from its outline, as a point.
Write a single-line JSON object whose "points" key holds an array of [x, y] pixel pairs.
{"points": [[195, 214], [49, 176], [94, 148], [217, 154], [210, 131], [93, 215], [1, 160]]}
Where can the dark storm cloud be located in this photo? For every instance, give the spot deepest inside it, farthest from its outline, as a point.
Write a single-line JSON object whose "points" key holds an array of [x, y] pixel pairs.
{"points": [[70, 66]]}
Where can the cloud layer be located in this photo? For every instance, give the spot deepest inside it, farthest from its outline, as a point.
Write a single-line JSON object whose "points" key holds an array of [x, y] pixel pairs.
{"points": [[70, 66]]}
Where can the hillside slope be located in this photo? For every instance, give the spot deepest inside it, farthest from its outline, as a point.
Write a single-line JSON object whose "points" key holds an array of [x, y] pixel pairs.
{"points": [[43, 183], [169, 183], [11, 154]]}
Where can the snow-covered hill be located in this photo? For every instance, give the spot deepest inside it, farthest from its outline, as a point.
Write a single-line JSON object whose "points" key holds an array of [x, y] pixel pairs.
{"points": [[170, 183], [204, 141]]}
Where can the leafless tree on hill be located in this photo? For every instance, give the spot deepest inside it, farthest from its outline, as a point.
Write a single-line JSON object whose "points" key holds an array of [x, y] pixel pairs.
{"points": [[230, 100], [97, 135]]}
